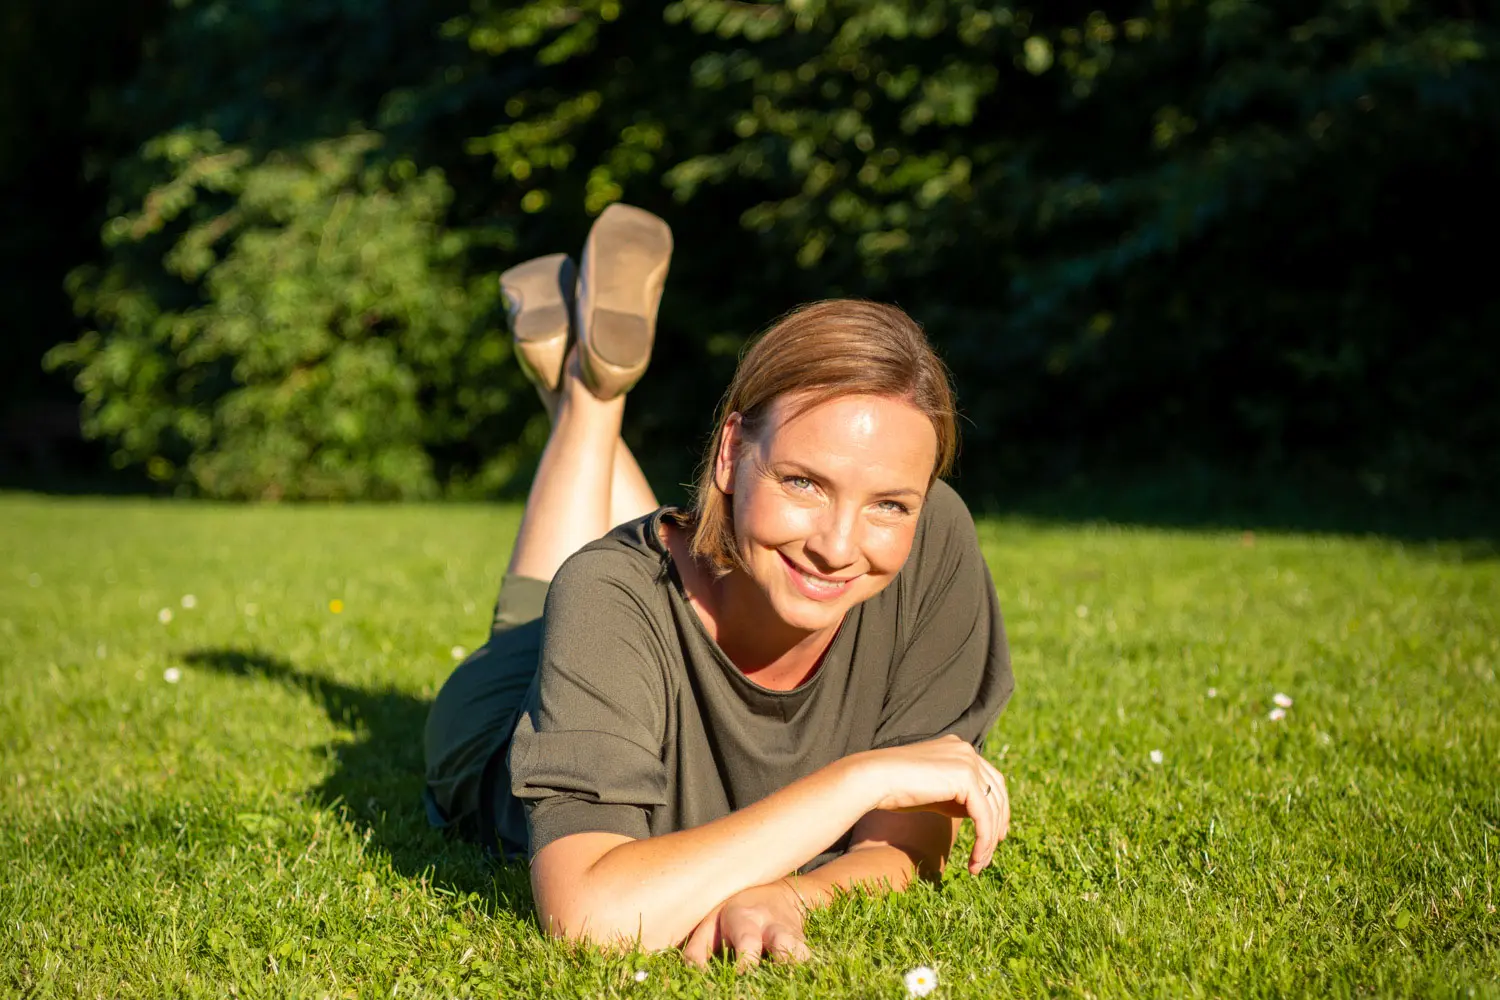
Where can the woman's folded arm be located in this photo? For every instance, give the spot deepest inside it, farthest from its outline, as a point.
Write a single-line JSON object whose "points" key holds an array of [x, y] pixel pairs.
{"points": [[607, 888], [604, 887]]}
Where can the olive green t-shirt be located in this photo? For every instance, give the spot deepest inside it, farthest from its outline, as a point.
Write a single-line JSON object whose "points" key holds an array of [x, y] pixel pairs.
{"points": [[638, 724]]}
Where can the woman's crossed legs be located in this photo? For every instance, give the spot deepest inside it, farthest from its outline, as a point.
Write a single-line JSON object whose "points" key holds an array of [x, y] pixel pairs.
{"points": [[587, 482]]}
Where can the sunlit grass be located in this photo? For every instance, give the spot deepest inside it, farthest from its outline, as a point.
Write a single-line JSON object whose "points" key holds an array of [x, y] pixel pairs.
{"points": [[253, 829]]}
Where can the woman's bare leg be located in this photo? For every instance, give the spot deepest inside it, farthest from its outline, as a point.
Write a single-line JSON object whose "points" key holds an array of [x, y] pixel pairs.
{"points": [[630, 495], [570, 500]]}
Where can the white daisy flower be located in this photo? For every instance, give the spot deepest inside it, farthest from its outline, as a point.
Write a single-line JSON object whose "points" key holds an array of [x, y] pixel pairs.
{"points": [[1213, 692], [164, 615], [1277, 714], [458, 652], [640, 975], [1281, 700], [189, 601], [920, 981], [1156, 757], [171, 675]]}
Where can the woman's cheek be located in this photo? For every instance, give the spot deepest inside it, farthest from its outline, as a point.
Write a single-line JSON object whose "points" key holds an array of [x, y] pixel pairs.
{"points": [[775, 521], [889, 548]]}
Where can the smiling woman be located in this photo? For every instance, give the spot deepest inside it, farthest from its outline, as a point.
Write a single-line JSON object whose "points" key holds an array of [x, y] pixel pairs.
{"points": [[699, 723]]}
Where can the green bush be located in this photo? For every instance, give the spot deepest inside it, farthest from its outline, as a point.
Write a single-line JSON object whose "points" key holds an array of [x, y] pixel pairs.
{"points": [[330, 323]]}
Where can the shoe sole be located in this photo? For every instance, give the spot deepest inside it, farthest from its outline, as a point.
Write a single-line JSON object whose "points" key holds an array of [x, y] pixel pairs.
{"points": [[539, 300], [624, 269]]}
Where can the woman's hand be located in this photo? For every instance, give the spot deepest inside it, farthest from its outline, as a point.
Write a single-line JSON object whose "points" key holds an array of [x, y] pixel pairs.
{"points": [[763, 920], [946, 775]]}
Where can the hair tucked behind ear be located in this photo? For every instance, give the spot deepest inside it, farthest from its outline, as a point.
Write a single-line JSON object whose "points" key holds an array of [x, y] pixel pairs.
{"points": [[839, 347]]}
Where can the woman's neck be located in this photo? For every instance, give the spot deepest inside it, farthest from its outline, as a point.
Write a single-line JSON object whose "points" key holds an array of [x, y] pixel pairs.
{"points": [[737, 616]]}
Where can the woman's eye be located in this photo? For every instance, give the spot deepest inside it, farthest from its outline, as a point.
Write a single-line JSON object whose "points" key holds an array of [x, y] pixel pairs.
{"points": [[894, 507], [798, 482]]}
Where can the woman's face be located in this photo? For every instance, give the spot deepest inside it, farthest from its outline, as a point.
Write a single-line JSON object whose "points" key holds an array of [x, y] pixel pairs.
{"points": [[826, 501]]}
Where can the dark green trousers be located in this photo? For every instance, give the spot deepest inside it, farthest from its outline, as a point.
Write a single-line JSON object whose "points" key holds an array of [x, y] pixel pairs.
{"points": [[470, 724]]}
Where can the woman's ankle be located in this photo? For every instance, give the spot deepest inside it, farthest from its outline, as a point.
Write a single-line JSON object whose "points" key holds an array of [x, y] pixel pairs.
{"points": [[574, 394], [551, 400]]}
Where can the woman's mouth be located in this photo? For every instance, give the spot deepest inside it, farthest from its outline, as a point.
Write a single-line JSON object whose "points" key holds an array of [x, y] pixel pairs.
{"points": [[813, 585]]}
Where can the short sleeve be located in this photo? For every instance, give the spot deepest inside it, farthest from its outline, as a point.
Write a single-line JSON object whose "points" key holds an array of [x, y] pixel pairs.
{"points": [[587, 749], [952, 671]]}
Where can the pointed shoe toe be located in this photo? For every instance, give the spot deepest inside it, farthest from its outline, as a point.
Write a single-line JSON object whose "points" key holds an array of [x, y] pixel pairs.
{"points": [[539, 301], [620, 281]]}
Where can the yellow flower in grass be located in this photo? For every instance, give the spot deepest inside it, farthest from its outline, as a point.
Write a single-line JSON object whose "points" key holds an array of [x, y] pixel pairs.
{"points": [[336, 606]]}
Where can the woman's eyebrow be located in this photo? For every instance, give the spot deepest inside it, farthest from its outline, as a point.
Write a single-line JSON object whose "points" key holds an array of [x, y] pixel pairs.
{"points": [[790, 466], [901, 491], [793, 467]]}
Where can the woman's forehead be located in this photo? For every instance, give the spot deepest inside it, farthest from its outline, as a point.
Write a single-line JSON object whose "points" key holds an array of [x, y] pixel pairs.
{"points": [[885, 430]]}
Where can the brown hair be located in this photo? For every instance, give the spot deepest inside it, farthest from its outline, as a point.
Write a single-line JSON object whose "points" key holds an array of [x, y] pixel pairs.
{"points": [[838, 347]]}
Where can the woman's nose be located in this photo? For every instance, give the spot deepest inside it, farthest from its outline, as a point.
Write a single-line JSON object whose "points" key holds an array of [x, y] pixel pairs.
{"points": [[835, 540]]}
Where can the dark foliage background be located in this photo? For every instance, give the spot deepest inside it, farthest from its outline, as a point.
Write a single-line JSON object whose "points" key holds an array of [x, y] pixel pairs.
{"points": [[1247, 237]]}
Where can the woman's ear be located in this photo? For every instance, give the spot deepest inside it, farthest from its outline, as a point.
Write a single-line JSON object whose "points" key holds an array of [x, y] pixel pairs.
{"points": [[728, 453]]}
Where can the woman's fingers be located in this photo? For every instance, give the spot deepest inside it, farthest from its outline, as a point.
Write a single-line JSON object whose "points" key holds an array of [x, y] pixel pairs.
{"points": [[999, 793], [748, 942], [996, 807], [986, 827], [786, 944], [1002, 798], [699, 947]]}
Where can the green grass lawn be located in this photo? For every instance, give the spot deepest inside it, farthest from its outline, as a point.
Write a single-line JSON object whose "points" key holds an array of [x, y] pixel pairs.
{"points": [[253, 828]]}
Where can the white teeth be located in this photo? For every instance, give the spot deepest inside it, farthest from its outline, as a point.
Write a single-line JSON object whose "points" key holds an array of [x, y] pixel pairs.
{"points": [[820, 583]]}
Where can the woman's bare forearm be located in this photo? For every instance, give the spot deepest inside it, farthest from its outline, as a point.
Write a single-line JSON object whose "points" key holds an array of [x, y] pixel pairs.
{"points": [[888, 853], [873, 869], [659, 889]]}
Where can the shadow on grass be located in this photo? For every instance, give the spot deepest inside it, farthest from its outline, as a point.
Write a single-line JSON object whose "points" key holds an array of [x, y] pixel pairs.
{"points": [[377, 777]]}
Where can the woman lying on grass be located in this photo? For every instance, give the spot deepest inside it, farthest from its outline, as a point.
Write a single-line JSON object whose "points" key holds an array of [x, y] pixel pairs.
{"points": [[700, 723]]}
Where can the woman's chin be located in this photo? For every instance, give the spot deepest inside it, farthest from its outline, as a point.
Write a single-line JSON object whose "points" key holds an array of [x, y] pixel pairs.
{"points": [[807, 614]]}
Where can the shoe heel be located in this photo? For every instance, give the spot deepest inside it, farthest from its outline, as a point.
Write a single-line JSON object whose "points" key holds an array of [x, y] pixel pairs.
{"points": [[620, 339], [535, 325]]}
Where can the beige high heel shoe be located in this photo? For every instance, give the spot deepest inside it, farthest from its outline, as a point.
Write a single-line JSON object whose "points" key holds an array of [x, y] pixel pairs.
{"points": [[620, 281], [539, 301]]}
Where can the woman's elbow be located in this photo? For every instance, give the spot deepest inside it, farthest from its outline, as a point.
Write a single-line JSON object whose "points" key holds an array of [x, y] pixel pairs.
{"points": [[610, 928], [578, 901]]}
